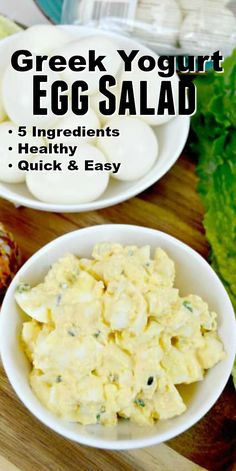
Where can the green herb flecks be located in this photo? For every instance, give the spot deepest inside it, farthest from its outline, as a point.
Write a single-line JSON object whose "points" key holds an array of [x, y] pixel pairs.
{"points": [[71, 333], [23, 287], [139, 402], [188, 306], [96, 335], [102, 411]]}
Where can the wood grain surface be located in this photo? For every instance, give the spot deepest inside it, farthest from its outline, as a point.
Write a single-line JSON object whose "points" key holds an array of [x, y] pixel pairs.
{"points": [[173, 206]]}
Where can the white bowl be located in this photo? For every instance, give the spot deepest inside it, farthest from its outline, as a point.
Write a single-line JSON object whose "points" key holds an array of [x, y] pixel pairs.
{"points": [[194, 275], [172, 137]]}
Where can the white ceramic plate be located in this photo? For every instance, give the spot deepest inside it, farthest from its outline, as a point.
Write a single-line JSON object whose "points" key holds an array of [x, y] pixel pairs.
{"points": [[194, 275], [172, 137]]}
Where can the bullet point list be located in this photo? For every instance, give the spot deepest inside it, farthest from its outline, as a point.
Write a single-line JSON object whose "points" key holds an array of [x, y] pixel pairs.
{"points": [[10, 131], [10, 165], [10, 148]]}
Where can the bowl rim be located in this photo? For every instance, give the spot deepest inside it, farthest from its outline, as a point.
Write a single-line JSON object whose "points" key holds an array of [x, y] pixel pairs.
{"points": [[99, 442], [137, 186]]}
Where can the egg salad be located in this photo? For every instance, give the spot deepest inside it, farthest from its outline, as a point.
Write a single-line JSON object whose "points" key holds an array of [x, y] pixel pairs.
{"points": [[110, 337]]}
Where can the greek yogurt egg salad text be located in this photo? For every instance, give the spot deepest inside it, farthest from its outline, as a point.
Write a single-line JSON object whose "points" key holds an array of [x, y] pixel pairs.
{"points": [[96, 142], [110, 337]]}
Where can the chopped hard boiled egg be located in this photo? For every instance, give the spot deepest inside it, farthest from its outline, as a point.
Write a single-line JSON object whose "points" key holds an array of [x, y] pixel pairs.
{"points": [[30, 301], [110, 337]]}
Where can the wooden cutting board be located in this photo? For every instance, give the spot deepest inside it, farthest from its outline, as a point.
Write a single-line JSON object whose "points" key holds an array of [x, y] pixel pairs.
{"points": [[173, 206]]}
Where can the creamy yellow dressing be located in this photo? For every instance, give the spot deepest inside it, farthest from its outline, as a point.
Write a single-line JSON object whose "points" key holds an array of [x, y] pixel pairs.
{"points": [[111, 337]]}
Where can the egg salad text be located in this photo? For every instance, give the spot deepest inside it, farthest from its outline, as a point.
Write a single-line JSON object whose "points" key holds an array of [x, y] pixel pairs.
{"points": [[111, 337]]}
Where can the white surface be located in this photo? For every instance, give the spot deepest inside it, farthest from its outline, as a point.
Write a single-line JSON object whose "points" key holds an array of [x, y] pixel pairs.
{"points": [[23, 11], [194, 275], [171, 137]]}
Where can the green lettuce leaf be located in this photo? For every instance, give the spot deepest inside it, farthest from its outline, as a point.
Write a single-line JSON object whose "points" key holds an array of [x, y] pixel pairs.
{"points": [[214, 143], [220, 225]]}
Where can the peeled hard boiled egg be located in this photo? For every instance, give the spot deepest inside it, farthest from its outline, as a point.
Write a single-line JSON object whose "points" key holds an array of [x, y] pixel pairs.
{"points": [[12, 174], [136, 147], [102, 47], [17, 92], [69, 186], [42, 39], [71, 121]]}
